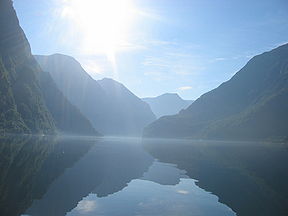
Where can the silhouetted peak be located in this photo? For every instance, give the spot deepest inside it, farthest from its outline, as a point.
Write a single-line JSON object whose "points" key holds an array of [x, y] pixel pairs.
{"points": [[167, 104], [170, 95], [110, 83], [61, 64], [59, 57], [109, 80], [12, 38]]}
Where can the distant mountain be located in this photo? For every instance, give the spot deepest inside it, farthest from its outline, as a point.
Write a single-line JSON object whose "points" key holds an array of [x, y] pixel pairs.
{"points": [[126, 110], [22, 108], [252, 105], [110, 106], [167, 104]]}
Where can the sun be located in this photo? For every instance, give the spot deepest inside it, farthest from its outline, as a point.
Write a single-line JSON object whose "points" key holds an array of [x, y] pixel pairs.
{"points": [[102, 25]]}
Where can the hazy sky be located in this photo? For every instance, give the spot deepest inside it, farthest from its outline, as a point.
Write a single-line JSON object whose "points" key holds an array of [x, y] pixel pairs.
{"points": [[158, 46]]}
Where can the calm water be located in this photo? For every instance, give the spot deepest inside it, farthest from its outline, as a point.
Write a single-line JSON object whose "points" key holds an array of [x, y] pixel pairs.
{"points": [[128, 176]]}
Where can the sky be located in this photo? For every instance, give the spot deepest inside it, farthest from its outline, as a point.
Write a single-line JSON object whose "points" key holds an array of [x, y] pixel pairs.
{"points": [[153, 47]]}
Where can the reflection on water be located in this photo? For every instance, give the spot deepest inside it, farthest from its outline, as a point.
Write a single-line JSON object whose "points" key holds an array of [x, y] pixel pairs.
{"points": [[30, 164], [43, 176], [164, 173], [107, 168], [251, 178], [143, 197]]}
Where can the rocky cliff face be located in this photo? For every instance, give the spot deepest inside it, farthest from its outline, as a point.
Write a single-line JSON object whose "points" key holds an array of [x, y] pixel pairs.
{"points": [[30, 102], [22, 106]]}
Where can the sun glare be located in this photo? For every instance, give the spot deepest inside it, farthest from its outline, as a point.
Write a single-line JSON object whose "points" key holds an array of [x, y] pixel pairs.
{"points": [[103, 25]]}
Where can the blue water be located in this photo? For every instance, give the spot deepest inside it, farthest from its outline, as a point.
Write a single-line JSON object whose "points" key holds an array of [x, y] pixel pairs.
{"points": [[144, 197], [117, 177]]}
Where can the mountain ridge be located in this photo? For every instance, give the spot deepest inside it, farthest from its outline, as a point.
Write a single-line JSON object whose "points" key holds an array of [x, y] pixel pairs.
{"points": [[29, 101], [108, 104], [23, 109], [167, 104], [68, 119], [240, 108]]}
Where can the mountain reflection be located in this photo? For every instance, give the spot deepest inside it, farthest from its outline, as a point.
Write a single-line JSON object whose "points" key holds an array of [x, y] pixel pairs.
{"points": [[30, 164], [43, 176], [251, 178], [102, 171]]}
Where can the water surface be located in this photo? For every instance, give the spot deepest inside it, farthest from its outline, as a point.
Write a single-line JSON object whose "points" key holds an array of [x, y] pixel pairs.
{"points": [[43, 176]]}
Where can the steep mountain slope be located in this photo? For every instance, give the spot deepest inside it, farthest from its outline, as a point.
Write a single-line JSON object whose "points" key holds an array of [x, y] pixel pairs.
{"points": [[68, 119], [167, 104], [21, 103], [251, 105], [125, 109], [112, 110]]}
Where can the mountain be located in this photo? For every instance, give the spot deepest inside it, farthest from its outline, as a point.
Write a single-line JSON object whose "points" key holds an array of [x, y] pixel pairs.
{"points": [[30, 102], [167, 104], [125, 109], [68, 119], [22, 106], [252, 105], [110, 106]]}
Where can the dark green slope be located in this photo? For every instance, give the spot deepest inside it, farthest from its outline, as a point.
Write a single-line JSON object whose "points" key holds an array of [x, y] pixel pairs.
{"points": [[22, 106], [10, 119], [68, 119], [251, 105]]}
